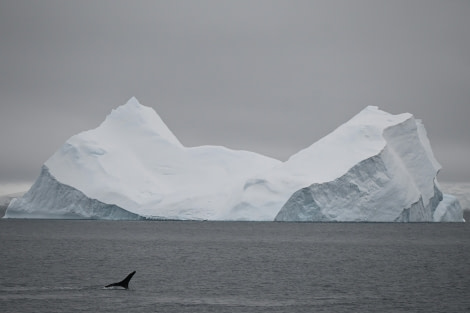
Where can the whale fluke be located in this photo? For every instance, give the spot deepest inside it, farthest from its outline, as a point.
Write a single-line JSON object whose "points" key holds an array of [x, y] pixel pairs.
{"points": [[123, 283]]}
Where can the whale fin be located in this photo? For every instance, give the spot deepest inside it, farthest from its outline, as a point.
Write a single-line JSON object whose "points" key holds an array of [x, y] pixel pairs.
{"points": [[123, 283]]}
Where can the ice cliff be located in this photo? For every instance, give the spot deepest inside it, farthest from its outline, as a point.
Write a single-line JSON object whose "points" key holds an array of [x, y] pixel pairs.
{"points": [[375, 167]]}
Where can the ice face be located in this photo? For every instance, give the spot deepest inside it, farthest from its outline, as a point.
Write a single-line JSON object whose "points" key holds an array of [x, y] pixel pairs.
{"points": [[448, 210], [375, 167], [50, 199]]}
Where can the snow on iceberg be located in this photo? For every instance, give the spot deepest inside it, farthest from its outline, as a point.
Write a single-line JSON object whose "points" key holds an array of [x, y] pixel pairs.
{"points": [[375, 167]]}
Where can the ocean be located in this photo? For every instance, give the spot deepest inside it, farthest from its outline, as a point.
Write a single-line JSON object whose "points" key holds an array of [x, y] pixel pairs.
{"points": [[62, 266]]}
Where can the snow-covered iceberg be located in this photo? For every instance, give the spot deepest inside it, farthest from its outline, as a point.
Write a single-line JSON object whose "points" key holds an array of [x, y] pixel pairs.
{"points": [[376, 167]]}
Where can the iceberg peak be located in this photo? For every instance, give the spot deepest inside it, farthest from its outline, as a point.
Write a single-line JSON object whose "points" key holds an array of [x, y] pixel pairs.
{"points": [[131, 105], [133, 101], [134, 116]]}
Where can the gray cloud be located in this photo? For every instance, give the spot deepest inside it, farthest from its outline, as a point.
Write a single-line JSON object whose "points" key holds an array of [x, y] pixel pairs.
{"points": [[268, 76]]}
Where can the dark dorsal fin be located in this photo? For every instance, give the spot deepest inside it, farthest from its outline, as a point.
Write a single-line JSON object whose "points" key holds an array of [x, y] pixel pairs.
{"points": [[123, 283]]}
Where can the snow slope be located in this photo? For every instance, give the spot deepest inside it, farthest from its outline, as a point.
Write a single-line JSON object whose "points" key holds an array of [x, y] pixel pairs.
{"points": [[375, 167]]}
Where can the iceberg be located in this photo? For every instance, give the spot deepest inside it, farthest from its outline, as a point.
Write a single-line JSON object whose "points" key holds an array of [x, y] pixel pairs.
{"points": [[375, 167]]}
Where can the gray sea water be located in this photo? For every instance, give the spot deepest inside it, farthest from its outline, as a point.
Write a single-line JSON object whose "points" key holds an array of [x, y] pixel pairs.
{"points": [[62, 266]]}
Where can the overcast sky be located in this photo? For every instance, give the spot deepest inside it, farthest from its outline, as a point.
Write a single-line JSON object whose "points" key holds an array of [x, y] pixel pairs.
{"points": [[267, 76]]}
